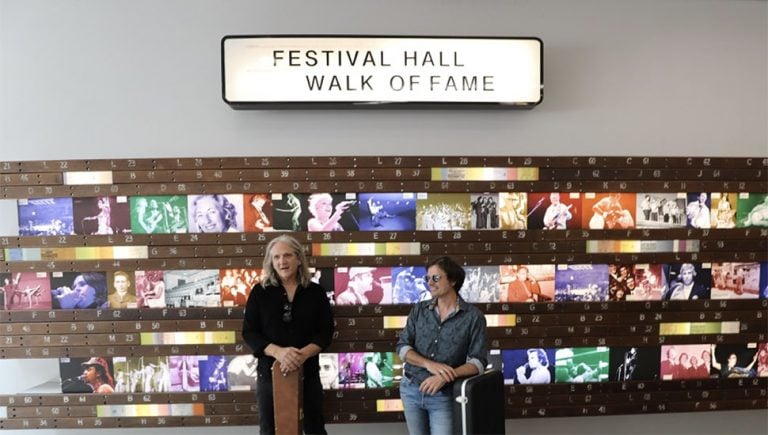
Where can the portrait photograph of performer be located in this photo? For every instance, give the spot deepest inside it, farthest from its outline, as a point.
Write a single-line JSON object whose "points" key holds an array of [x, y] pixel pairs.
{"points": [[387, 211], [215, 213], [528, 366], [409, 286], [73, 290], [523, 288], [734, 361], [122, 295], [485, 211], [95, 375], [331, 213], [554, 210], [289, 211], [103, 215], [363, 285], [288, 319], [513, 210], [557, 214], [444, 339], [257, 213], [687, 281], [723, 214], [762, 360], [697, 210], [329, 370], [634, 363]]}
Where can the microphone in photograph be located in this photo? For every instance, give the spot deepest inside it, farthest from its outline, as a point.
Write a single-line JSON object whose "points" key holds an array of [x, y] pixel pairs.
{"points": [[75, 379]]}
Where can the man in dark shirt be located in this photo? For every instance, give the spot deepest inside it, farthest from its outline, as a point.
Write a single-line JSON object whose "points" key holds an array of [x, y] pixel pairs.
{"points": [[443, 340], [288, 319]]}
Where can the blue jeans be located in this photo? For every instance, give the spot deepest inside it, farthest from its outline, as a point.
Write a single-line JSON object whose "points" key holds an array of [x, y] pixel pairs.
{"points": [[424, 413]]}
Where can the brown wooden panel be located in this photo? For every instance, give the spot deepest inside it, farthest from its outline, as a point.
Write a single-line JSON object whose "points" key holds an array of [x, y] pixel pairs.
{"points": [[79, 327], [10, 329], [26, 179]]}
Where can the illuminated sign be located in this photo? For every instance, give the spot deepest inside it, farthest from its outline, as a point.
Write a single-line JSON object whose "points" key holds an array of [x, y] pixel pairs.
{"points": [[379, 72]]}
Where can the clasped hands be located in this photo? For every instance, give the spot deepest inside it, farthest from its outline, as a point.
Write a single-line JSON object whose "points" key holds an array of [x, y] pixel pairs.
{"points": [[441, 375], [290, 359]]}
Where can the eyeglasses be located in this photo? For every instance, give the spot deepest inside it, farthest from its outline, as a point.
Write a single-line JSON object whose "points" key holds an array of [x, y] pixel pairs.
{"points": [[287, 312], [433, 278]]}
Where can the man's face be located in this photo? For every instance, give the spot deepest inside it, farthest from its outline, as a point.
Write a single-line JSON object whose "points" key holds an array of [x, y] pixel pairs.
{"points": [[121, 284], [365, 281], [703, 197], [631, 283], [687, 276], [327, 371], [442, 287], [533, 360]]}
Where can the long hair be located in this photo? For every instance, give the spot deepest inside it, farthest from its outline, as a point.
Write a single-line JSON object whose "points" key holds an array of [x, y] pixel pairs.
{"points": [[270, 277], [99, 283]]}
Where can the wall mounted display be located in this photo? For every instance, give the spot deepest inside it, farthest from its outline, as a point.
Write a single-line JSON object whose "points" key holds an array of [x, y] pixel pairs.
{"points": [[603, 293]]}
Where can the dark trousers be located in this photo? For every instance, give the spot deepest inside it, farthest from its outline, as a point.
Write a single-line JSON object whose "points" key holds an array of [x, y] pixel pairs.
{"points": [[314, 423]]}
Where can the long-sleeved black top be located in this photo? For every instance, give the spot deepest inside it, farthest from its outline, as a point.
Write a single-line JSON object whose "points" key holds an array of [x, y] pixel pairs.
{"points": [[312, 322]]}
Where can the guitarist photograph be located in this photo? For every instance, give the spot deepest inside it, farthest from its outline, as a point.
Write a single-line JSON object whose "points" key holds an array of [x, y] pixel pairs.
{"points": [[558, 214]]}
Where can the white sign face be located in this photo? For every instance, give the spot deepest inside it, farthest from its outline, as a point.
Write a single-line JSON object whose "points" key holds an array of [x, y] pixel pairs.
{"points": [[260, 71]]}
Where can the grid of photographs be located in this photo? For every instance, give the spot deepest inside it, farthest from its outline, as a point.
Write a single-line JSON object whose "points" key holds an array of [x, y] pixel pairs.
{"points": [[365, 370], [363, 285], [382, 211]]}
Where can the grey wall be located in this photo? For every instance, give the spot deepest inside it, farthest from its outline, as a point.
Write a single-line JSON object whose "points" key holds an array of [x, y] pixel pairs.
{"points": [[113, 79]]}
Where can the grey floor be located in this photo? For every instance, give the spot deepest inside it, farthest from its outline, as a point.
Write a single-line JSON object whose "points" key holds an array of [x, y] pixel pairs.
{"points": [[700, 423]]}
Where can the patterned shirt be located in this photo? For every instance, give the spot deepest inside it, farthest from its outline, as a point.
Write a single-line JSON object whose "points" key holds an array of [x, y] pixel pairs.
{"points": [[459, 339]]}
